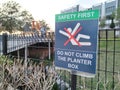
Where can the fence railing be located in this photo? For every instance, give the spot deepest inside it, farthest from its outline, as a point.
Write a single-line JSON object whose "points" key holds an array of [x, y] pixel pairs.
{"points": [[19, 41]]}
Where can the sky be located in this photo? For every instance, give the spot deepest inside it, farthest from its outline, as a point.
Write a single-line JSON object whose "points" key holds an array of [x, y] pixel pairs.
{"points": [[46, 9]]}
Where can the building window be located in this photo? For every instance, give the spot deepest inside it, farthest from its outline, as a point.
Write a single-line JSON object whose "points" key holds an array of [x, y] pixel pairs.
{"points": [[118, 3], [110, 9]]}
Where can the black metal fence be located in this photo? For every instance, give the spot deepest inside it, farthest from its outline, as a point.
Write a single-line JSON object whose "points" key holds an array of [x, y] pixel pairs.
{"points": [[108, 61], [108, 64]]}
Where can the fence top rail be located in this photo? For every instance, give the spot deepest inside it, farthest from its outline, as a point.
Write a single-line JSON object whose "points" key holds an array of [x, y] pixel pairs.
{"points": [[109, 29]]}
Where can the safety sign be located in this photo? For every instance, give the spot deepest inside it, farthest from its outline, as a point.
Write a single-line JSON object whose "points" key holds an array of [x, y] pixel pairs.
{"points": [[76, 42]]}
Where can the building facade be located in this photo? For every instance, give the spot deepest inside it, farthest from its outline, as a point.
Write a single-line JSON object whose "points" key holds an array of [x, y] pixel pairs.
{"points": [[110, 7], [118, 2], [106, 8], [99, 7], [71, 9]]}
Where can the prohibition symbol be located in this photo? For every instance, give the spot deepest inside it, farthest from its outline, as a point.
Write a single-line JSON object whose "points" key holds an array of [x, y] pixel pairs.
{"points": [[71, 36]]}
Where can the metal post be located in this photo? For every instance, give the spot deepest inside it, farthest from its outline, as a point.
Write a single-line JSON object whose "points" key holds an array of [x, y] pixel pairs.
{"points": [[26, 56], [18, 54], [49, 49], [4, 44], [73, 81]]}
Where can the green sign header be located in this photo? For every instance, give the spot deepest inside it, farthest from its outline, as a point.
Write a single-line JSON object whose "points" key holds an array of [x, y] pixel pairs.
{"points": [[83, 15]]}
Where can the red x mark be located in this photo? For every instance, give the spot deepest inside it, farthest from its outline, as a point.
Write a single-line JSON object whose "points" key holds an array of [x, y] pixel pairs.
{"points": [[72, 36]]}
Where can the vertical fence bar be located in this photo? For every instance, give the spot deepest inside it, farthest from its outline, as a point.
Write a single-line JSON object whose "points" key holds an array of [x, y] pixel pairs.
{"points": [[73, 81], [98, 87], [49, 49], [0, 44], [25, 56], [91, 83], [18, 54], [113, 85], [12, 42], [80, 83], [9, 42], [106, 53], [65, 75], [69, 76], [15, 42], [4, 43], [60, 80]]}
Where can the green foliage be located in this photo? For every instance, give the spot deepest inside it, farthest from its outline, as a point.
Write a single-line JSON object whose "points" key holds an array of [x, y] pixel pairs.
{"points": [[102, 22], [44, 24], [118, 15], [4, 60], [112, 16], [12, 16], [48, 62], [55, 87]]}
